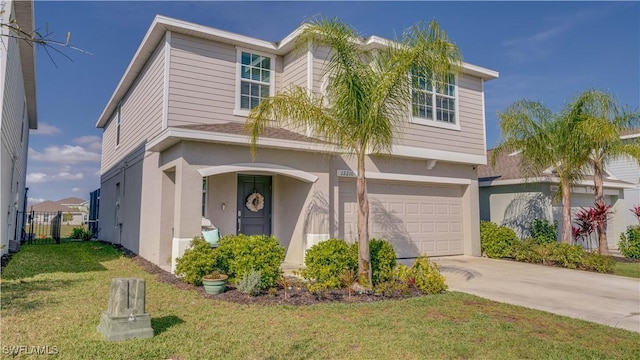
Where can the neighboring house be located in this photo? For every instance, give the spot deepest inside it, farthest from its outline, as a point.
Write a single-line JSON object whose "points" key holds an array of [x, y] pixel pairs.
{"points": [[508, 198], [628, 170], [18, 102], [74, 211], [173, 152]]}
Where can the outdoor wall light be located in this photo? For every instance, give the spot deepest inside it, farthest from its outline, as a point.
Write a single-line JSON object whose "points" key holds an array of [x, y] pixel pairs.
{"points": [[223, 206]]}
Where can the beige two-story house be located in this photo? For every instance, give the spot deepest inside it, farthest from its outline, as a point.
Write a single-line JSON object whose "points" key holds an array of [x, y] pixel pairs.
{"points": [[174, 153]]}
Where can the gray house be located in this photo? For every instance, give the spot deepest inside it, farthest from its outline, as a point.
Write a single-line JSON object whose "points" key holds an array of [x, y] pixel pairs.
{"points": [[18, 109], [628, 170], [174, 155], [508, 198]]}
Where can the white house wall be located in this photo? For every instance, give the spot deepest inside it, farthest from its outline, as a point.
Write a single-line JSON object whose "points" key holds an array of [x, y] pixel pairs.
{"points": [[14, 140]]}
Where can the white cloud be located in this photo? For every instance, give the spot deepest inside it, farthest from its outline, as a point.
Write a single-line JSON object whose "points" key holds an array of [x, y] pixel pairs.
{"points": [[67, 154], [76, 189], [46, 129], [33, 201], [91, 142], [68, 176], [87, 139], [37, 178], [40, 177]]}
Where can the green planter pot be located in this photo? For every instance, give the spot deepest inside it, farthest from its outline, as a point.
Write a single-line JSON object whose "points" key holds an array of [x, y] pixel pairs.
{"points": [[215, 286]]}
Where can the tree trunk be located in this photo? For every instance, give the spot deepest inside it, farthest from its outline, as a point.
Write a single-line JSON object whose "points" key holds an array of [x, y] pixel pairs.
{"points": [[566, 214], [364, 257], [598, 175]]}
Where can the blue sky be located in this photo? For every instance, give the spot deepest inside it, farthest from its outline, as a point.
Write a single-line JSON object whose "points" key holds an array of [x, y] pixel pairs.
{"points": [[544, 51]]}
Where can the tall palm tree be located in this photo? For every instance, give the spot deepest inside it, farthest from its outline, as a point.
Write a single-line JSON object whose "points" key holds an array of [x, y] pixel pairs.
{"points": [[544, 140], [601, 122], [367, 99]]}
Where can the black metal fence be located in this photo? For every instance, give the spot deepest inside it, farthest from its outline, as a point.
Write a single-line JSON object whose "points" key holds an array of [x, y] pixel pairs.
{"points": [[42, 227]]}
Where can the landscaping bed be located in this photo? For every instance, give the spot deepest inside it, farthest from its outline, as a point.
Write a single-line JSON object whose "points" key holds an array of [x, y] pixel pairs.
{"points": [[298, 295]]}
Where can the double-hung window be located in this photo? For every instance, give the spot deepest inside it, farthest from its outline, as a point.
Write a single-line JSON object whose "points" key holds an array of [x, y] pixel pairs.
{"points": [[255, 79], [434, 103]]}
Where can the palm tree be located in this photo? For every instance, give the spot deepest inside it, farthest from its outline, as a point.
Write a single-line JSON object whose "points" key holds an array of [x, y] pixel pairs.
{"points": [[601, 122], [544, 140], [368, 97]]}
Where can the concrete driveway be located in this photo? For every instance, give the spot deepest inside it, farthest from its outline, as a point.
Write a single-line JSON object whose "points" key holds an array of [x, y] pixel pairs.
{"points": [[605, 299]]}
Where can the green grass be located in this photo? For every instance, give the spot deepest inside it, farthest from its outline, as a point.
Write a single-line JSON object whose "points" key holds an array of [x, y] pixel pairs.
{"points": [[52, 295], [627, 269]]}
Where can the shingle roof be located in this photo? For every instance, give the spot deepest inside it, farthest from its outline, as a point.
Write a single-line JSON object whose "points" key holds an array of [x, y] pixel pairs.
{"points": [[507, 167], [629, 132], [71, 201], [51, 206]]}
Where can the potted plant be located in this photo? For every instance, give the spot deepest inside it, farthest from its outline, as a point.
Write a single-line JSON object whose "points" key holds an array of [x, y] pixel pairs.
{"points": [[215, 282]]}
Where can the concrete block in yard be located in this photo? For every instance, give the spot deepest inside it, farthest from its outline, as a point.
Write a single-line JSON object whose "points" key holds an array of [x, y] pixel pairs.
{"points": [[126, 317]]}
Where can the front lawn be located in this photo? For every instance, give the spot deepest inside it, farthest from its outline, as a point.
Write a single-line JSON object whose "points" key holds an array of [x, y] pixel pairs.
{"points": [[52, 295], [630, 269]]}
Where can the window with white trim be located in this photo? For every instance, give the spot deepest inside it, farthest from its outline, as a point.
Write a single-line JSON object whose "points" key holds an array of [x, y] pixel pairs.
{"points": [[438, 106], [255, 79], [118, 121]]}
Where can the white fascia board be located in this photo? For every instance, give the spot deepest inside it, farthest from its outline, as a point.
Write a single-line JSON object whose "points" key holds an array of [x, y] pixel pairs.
{"points": [[140, 57], [374, 42], [431, 154], [630, 136], [172, 136], [552, 180]]}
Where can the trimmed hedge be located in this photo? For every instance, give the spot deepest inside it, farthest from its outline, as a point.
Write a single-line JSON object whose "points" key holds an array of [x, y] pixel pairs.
{"points": [[197, 261], [239, 255], [497, 241]]}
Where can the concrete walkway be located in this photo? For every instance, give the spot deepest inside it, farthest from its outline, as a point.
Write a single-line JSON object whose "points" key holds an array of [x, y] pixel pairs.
{"points": [[605, 299]]}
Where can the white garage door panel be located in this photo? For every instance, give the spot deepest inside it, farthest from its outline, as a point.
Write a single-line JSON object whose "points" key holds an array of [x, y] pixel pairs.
{"points": [[417, 219]]}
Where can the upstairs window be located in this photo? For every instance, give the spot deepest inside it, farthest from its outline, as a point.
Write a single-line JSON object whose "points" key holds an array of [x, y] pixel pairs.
{"points": [[434, 103], [255, 79]]}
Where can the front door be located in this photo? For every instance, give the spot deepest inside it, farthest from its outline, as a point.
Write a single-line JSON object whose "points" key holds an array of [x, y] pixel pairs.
{"points": [[254, 205]]}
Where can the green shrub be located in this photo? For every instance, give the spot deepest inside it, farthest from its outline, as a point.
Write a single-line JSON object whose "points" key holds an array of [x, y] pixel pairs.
{"points": [[527, 251], [383, 260], [326, 261], [426, 276], [568, 256], [197, 261], [629, 244], [598, 263], [80, 233], [497, 241], [250, 283], [543, 231], [238, 254]]}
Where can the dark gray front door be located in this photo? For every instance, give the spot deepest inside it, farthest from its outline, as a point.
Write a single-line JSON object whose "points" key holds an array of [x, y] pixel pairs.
{"points": [[254, 219]]}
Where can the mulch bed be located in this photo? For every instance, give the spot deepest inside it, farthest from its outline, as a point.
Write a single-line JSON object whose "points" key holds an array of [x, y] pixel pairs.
{"points": [[297, 295]]}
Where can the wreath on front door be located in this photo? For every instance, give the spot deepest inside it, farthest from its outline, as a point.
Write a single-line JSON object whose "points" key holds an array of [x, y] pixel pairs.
{"points": [[255, 202]]}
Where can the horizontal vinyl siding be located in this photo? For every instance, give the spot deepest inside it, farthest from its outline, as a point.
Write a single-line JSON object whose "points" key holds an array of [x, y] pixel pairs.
{"points": [[320, 56], [141, 113], [201, 82], [13, 110], [625, 169], [294, 70], [469, 139]]}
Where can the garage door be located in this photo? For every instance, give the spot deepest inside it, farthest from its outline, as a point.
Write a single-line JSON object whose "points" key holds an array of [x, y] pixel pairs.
{"points": [[416, 219]]}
